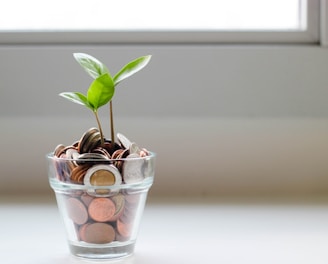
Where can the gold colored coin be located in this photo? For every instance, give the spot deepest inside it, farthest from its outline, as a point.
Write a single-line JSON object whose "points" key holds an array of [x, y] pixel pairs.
{"points": [[102, 178], [102, 175]]}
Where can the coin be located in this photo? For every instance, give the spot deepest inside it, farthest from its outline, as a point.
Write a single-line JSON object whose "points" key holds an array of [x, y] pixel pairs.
{"points": [[75, 144], [124, 229], [77, 174], [86, 199], [117, 153], [76, 211], [84, 142], [59, 150], [109, 147], [102, 151], [120, 159], [91, 158], [101, 209], [119, 202], [72, 153], [144, 152], [134, 149], [93, 141], [124, 141], [132, 169], [102, 175], [97, 233], [81, 231]]}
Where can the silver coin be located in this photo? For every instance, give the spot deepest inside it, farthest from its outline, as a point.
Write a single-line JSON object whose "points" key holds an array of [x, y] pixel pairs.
{"points": [[134, 149], [124, 141], [72, 153], [132, 169], [149, 167]]}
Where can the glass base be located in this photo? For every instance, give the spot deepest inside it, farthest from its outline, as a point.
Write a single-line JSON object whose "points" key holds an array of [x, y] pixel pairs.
{"points": [[92, 251]]}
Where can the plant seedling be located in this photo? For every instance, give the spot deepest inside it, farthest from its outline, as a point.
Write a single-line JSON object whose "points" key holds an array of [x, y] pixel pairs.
{"points": [[102, 89]]}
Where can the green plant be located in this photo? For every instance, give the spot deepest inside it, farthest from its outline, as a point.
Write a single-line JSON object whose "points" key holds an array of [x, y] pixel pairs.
{"points": [[102, 89]]}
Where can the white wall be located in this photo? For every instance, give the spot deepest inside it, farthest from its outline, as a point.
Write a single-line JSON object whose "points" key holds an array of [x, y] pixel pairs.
{"points": [[223, 119]]}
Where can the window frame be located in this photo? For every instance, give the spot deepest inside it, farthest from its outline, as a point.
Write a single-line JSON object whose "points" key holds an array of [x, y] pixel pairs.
{"points": [[316, 17]]}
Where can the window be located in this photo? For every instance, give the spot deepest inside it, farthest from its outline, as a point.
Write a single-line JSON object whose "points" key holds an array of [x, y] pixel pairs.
{"points": [[166, 21], [247, 120]]}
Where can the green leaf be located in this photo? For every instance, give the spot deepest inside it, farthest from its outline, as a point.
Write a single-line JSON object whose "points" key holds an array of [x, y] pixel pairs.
{"points": [[93, 66], [100, 91], [131, 68], [77, 98]]}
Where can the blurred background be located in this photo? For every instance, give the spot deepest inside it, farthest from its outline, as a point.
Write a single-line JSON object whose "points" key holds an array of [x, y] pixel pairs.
{"points": [[232, 105]]}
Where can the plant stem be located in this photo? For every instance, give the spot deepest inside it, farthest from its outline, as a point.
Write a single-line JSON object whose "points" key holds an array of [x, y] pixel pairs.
{"points": [[112, 124], [100, 129]]}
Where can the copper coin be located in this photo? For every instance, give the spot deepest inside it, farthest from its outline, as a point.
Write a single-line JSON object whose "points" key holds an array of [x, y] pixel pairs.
{"points": [[76, 211], [81, 231], [97, 233], [59, 150], [77, 174], [144, 153], [101, 209], [75, 144], [116, 153], [119, 163], [102, 151], [109, 146], [86, 199], [124, 229]]}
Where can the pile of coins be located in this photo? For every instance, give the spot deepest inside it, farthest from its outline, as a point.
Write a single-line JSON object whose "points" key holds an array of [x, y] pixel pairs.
{"points": [[101, 220], [104, 211], [90, 161]]}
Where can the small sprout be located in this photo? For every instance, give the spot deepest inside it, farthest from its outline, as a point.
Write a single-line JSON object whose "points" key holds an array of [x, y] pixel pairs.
{"points": [[102, 89]]}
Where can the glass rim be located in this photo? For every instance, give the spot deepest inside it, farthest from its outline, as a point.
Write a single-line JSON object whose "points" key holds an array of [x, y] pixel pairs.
{"points": [[57, 184], [60, 186], [51, 156]]}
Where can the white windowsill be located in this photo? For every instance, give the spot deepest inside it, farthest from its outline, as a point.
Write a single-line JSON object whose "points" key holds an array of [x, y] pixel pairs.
{"points": [[182, 232]]}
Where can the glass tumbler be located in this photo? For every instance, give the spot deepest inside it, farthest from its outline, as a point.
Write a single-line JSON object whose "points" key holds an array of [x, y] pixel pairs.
{"points": [[102, 212]]}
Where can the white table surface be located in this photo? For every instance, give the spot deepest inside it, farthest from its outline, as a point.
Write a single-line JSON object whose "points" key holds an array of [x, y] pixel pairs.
{"points": [[181, 232]]}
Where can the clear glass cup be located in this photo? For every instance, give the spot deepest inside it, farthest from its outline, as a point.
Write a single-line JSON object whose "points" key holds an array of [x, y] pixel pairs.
{"points": [[101, 219]]}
